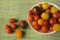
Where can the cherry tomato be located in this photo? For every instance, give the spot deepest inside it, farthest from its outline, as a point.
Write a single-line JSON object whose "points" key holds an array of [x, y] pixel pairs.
{"points": [[44, 29], [37, 27], [12, 20], [9, 30], [56, 15], [51, 29], [13, 26], [52, 21], [18, 33], [7, 26]]}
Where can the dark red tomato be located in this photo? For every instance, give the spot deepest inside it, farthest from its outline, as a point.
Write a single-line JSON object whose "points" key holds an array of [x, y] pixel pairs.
{"points": [[36, 10], [50, 6], [23, 24]]}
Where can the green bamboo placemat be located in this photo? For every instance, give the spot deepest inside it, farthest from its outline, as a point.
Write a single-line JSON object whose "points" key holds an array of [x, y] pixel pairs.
{"points": [[18, 9]]}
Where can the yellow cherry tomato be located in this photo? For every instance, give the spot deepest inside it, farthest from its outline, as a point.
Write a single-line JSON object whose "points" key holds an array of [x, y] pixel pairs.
{"points": [[54, 10], [45, 5], [56, 27], [45, 16]]}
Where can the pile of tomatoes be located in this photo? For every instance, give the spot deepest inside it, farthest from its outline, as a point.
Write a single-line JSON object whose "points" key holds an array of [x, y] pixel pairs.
{"points": [[13, 25], [44, 18]]}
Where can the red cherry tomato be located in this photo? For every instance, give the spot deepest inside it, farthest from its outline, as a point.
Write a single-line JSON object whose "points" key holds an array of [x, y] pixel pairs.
{"points": [[30, 12], [12, 20], [7, 26], [52, 21], [46, 23], [56, 15], [30, 18], [44, 29], [13, 26], [9, 30], [36, 17], [37, 27]]}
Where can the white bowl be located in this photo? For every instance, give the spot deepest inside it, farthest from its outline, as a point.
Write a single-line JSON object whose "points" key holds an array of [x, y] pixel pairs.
{"points": [[31, 25]]}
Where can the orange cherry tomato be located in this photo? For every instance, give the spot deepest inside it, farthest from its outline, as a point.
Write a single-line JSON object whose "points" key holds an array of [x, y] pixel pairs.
{"points": [[18, 33]]}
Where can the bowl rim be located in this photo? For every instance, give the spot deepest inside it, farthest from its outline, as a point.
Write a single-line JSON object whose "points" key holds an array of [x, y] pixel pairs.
{"points": [[30, 23]]}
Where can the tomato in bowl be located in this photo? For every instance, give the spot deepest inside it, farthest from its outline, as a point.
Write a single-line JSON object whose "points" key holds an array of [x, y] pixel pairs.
{"points": [[43, 18]]}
